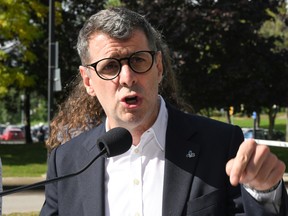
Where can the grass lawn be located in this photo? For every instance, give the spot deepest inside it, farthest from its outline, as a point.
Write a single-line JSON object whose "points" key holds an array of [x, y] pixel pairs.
{"points": [[282, 154], [23, 160], [246, 122]]}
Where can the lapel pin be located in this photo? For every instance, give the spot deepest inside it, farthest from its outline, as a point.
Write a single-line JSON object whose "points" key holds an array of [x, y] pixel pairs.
{"points": [[190, 154]]}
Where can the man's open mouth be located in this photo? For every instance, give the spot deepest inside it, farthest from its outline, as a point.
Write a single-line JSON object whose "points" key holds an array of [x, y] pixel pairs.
{"points": [[131, 100]]}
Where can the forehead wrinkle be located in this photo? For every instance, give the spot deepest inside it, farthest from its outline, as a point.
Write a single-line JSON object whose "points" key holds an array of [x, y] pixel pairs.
{"points": [[118, 53], [113, 47]]}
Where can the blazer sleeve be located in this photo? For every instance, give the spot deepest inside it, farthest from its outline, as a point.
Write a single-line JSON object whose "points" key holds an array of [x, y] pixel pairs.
{"points": [[253, 207], [50, 206]]}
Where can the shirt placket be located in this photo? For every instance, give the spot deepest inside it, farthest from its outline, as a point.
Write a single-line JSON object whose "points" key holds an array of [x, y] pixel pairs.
{"points": [[136, 182]]}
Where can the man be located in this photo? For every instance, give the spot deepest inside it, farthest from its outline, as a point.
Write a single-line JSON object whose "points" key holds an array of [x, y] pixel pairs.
{"points": [[179, 164]]}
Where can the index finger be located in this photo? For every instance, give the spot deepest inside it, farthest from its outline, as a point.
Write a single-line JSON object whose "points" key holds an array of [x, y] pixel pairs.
{"points": [[244, 154]]}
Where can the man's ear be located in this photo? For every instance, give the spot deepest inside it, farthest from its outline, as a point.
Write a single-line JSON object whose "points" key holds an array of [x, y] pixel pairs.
{"points": [[87, 80]]}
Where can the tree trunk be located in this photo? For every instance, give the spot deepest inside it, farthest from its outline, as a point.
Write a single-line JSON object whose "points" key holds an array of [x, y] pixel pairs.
{"points": [[258, 120], [27, 122], [228, 117], [272, 116]]}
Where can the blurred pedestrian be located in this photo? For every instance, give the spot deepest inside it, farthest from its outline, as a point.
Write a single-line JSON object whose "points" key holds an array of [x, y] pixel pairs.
{"points": [[41, 133]]}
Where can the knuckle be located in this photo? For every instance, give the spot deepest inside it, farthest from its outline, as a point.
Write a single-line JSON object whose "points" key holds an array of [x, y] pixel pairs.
{"points": [[243, 159], [263, 149], [252, 143]]}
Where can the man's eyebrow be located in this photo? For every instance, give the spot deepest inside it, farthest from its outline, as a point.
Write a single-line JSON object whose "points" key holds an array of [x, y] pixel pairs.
{"points": [[119, 55], [114, 55]]}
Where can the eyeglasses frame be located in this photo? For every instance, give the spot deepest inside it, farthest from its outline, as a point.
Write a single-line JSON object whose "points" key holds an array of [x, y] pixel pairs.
{"points": [[94, 65]]}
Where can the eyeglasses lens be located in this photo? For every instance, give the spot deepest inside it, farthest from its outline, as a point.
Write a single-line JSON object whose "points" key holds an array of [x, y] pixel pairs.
{"points": [[139, 62]]}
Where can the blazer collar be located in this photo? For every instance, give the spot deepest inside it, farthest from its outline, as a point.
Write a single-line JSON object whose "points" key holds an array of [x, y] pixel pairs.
{"points": [[181, 155]]}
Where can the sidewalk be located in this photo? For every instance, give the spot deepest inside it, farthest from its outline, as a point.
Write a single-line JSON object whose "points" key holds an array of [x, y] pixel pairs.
{"points": [[19, 181], [25, 200]]}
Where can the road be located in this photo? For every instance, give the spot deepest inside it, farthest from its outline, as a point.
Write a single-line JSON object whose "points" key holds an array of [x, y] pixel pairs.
{"points": [[27, 201]]}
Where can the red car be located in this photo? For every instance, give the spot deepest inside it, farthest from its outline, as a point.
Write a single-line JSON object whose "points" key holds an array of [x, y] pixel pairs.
{"points": [[12, 135]]}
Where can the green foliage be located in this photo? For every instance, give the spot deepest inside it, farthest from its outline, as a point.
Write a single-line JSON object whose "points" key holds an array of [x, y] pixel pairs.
{"points": [[113, 3], [16, 21], [10, 110], [224, 51], [276, 28], [19, 24], [39, 110]]}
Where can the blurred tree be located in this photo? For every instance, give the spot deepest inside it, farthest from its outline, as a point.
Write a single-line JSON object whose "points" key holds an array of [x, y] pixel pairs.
{"points": [[276, 30], [21, 24], [74, 13], [10, 103], [221, 58], [223, 51]]}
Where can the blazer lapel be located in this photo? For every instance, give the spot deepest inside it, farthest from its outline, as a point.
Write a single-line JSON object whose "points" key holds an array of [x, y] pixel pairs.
{"points": [[181, 155], [94, 181]]}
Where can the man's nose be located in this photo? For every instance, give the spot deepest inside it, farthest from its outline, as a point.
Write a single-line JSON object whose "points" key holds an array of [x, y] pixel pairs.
{"points": [[127, 76]]}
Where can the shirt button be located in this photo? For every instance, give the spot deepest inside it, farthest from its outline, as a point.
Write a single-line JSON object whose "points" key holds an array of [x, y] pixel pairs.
{"points": [[136, 182], [136, 151]]}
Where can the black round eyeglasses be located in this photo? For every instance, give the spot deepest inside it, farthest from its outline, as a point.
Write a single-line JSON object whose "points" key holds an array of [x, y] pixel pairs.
{"points": [[110, 68]]}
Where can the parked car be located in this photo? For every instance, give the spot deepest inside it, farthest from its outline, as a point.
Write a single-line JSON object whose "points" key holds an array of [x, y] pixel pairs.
{"points": [[12, 135], [278, 135], [261, 133]]}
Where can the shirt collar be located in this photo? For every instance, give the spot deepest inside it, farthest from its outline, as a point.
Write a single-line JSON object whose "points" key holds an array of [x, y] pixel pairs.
{"points": [[160, 125]]}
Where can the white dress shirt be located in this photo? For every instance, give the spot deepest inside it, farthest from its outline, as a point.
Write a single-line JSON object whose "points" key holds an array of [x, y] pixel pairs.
{"points": [[134, 180]]}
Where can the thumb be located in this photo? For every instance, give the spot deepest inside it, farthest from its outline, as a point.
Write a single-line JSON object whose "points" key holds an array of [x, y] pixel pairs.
{"points": [[229, 166]]}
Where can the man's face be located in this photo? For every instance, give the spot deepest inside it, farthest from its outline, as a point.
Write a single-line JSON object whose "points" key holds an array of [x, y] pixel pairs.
{"points": [[131, 99]]}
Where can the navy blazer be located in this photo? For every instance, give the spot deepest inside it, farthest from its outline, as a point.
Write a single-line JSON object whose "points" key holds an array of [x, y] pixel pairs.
{"points": [[195, 181]]}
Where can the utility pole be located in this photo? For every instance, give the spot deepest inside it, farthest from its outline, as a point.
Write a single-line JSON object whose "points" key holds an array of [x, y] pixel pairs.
{"points": [[51, 60]]}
